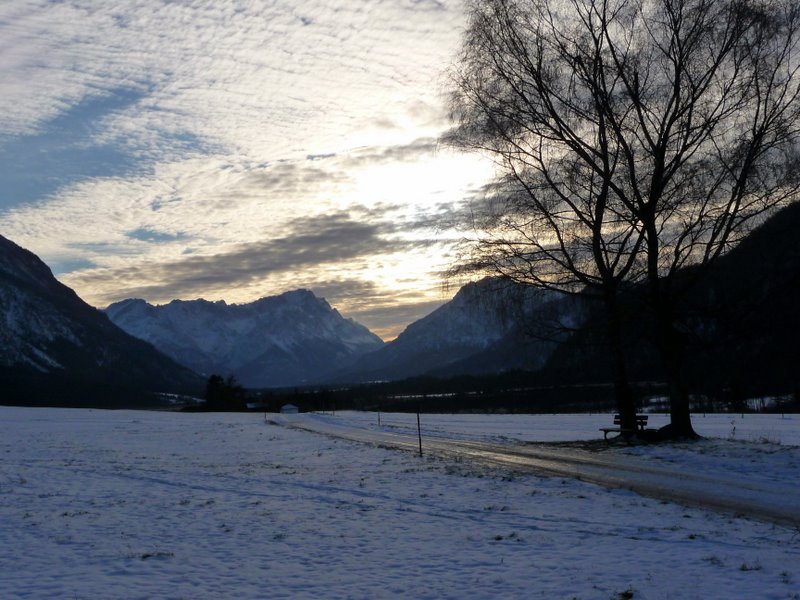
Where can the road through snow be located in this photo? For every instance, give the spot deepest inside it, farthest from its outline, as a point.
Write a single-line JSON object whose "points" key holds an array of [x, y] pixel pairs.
{"points": [[770, 501]]}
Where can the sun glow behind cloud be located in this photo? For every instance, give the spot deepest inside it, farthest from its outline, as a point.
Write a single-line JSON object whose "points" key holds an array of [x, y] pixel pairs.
{"points": [[231, 151]]}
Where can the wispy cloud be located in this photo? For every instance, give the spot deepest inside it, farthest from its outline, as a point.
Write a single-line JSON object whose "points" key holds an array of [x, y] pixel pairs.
{"points": [[309, 244], [284, 77]]}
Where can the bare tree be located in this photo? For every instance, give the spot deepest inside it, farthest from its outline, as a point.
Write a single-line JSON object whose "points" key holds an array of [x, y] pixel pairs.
{"points": [[633, 138], [528, 96]]}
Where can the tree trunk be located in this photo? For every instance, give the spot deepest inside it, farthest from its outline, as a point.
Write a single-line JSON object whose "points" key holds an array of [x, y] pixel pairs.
{"points": [[672, 348], [680, 415], [669, 341], [626, 405]]}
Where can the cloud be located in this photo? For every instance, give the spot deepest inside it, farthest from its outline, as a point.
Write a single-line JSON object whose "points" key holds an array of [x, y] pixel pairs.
{"points": [[283, 77], [228, 149], [381, 155], [224, 199], [385, 312], [326, 239], [389, 320], [338, 290], [223, 229]]}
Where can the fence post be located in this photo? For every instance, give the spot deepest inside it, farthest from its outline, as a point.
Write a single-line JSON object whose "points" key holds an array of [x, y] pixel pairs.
{"points": [[419, 432]]}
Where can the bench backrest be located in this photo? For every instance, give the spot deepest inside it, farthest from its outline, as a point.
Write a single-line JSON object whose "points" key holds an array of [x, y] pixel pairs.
{"points": [[640, 420]]}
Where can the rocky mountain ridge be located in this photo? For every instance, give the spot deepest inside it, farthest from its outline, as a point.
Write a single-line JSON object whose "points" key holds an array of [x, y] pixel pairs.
{"points": [[53, 345], [277, 341], [489, 326]]}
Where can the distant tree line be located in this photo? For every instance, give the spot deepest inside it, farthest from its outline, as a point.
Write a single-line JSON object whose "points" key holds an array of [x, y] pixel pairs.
{"points": [[511, 392], [225, 394]]}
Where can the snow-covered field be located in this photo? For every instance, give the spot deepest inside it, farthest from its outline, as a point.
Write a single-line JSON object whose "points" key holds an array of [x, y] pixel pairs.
{"points": [[97, 504], [760, 447]]}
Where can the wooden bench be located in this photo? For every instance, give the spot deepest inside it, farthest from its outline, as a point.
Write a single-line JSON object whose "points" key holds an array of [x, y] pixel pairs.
{"points": [[641, 423]]}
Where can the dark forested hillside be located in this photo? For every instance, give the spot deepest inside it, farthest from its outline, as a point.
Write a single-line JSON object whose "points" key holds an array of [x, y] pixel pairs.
{"points": [[741, 318], [56, 349]]}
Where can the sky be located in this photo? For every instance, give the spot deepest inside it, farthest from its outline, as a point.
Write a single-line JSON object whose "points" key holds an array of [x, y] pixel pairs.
{"points": [[235, 149]]}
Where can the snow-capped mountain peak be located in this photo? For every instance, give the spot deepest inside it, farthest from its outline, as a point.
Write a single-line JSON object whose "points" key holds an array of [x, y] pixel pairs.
{"points": [[281, 340]]}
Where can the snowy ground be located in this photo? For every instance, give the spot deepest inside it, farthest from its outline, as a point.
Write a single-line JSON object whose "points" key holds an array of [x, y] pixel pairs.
{"points": [[98, 504], [761, 428], [760, 447]]}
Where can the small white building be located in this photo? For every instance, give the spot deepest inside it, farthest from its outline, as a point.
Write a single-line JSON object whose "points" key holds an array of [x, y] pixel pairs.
{"points": [[289, 409]]}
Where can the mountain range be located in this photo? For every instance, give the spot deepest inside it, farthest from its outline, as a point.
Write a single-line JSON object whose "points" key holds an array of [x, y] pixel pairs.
{"points": [[54, 344], [484, 329], [287, 340], [297, 339], [55, 348], [741, 315]]}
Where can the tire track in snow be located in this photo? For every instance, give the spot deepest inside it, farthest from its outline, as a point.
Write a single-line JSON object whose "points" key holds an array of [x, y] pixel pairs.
{"points": [[253, 488]]}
